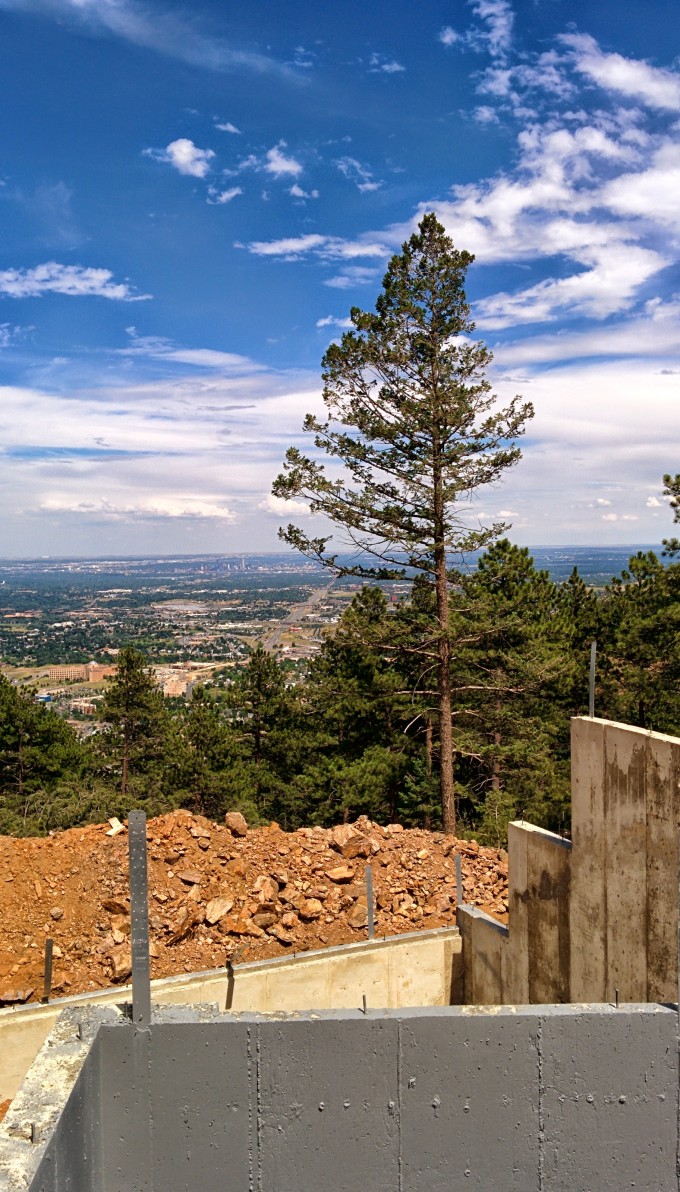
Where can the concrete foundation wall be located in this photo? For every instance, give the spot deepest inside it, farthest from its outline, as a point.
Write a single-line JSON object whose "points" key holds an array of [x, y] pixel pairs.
{"points": [[556, 1099], [597, 915], [624, 898], [539, 884], [418, 969], [485, 949]]}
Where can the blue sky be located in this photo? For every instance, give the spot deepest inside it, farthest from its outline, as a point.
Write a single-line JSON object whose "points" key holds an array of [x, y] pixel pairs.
{"points": [[193, 197]]}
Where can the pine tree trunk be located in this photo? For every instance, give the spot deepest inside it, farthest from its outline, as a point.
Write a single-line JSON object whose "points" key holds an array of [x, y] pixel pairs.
{"points": [[446, 786]]}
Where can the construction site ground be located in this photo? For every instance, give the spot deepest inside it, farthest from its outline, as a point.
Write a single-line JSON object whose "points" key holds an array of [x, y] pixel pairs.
{"points": [[219, 891]]}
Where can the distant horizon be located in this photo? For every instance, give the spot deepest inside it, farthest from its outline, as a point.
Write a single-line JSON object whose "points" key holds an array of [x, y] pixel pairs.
{"points": [[262, 554]]}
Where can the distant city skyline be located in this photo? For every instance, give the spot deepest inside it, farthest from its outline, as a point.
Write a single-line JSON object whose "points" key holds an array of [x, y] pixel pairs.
{"points": [[193, 199]]}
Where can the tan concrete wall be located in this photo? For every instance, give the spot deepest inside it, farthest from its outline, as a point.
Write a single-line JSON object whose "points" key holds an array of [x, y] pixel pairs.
{"points": [[624, 905], [539, 880], [485, 943], [418, 969]]}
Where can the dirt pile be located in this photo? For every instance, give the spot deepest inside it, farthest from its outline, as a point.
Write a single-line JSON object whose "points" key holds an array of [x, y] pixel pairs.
{"points": [[219, 891]]}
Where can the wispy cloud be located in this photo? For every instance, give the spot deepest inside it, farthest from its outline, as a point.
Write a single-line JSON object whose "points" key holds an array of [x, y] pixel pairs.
{"points": [[153, 28], [74, 280], [328, 248], [227, 126], [220, 197], [186, 157], [654, 86], [332, 321], [493, 35], [160, 348], [378, 64], [359, 174]]}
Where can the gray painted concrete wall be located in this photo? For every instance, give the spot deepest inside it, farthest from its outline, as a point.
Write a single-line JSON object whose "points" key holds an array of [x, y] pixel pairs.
{"points": [[556, 1099], [414, 969]]}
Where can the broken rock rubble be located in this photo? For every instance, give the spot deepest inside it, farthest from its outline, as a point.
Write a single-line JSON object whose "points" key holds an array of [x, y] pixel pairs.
{"points": [[219, 891]]}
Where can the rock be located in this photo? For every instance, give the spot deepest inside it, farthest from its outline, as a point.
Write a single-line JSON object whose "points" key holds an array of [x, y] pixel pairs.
{"points": [[154, 950], [235, 925], [121, 964], [264, 920], [236, 823], [199, 833], [341, 873], [422, 854], [358, 916], [266, 888], [191, 877], [203, 843], [115, 907], [290, 919], [340, 834], [356, 846], [217, 908], [57, 913], [279, 933], [237, 866], [184, 926], [393, 829], [10, 997], [120, 923], [310, 908]]}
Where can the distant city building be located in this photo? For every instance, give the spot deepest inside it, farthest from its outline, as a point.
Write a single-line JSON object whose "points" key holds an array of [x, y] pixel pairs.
{"points": [[90, 672]]}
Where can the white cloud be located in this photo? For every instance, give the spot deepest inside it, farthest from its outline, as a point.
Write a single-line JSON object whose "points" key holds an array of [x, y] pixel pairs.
{"points": [[655, 86], [331, 321], [328, 248], [508, 513], [160, 348], [494, 35], [74, 280], [220, 197], [228, 127], [601, 501], [377, 64], [610, 285], [499, 18], [282, 505], [610, 517], [360, 175], [186, 506], [186, 157], [280, 166], [298, 193], [653, 503], [448, 36], [352, 275]]}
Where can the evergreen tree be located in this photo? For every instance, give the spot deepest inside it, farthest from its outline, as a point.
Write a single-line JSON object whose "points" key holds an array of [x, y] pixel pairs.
{"points": [[43, 766], [414, 424], [511, 664], [138, 737]]}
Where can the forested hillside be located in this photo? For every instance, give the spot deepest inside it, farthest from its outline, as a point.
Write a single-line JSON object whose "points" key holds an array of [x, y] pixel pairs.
{"points": [[358, 735]]}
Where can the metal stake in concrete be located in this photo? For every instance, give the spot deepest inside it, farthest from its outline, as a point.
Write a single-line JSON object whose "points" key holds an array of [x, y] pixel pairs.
{"points": [[591, 692], [47, 987], [139, 921], [369, 902], [459, 880]]}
